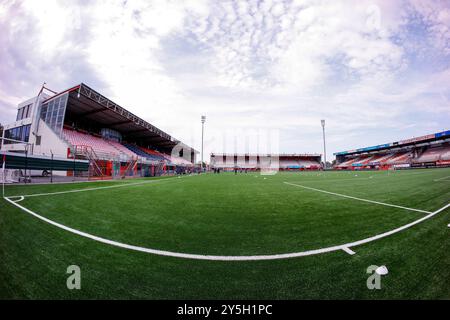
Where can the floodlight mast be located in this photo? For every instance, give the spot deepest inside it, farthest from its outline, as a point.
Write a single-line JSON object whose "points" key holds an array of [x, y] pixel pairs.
{"points": [[324, 145], [203, 118]]}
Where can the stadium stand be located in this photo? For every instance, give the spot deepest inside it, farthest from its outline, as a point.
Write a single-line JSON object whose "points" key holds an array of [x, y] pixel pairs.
{"points": [[139, 151], [400, 158], [155, 154], [80, 123], [287, 162], [348, 163], [382, 159], [362, 161], [308, 164], [445, 155], [434, 154], [431, 150], [105, 149]]}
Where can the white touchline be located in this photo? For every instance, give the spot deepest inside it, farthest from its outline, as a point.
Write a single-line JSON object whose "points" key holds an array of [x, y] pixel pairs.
{"points": [[355, 198], [344, 247], [440, 179], [96, 188]]}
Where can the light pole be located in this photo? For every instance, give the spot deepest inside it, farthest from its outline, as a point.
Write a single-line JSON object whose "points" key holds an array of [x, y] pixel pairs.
{"points": [[203, 129], [324, 145]]}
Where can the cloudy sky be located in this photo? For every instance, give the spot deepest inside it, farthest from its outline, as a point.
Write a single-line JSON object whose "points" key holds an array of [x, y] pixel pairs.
{"points": [[377, 71]]}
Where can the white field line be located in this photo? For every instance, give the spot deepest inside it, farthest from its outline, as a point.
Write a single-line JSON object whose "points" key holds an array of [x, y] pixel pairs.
{"points": [[411, 172], [327, 180], [66, 182], [396, 173], [407, 173], [443, 178], [355, 198], [93, 189], [363, 173], [345, 247], [18, 200], [349, 251]]}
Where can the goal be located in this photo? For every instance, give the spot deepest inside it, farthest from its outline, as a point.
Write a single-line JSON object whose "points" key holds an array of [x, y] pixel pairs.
{"points": [[9, 175]]}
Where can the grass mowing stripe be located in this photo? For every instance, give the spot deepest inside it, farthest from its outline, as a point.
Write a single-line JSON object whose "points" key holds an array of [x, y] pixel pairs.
{"points": [[355, 198]]}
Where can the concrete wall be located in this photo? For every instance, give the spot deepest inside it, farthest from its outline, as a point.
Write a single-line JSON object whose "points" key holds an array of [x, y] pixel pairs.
{"points": [[50, 142]]}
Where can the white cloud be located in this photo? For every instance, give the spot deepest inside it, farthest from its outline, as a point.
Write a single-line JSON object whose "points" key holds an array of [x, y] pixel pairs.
{"points": [[270, 64]]}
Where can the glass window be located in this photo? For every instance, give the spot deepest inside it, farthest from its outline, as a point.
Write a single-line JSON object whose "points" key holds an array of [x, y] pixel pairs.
{"points": [[53, 112], [49, 113], [24, 112], [11, 134], [27, 111], [7, 136], [19, 114], [44, 112], [26, 133], [55, 109], [21, 133]]}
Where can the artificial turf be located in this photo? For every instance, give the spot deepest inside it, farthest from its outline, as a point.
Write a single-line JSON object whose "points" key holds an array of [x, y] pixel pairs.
{"points": [[227, 214]]}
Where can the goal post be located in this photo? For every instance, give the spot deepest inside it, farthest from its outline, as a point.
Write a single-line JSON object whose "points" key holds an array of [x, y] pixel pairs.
{"points": [[3, 175]]}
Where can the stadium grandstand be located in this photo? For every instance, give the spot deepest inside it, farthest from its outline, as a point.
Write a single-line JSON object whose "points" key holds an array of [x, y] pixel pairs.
{"points": [[432, 150], [80, 124], [256, 162]]}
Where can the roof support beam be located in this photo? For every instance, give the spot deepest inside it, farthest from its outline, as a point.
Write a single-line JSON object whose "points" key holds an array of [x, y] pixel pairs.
{"points": [[92, 112], [120, 123]]}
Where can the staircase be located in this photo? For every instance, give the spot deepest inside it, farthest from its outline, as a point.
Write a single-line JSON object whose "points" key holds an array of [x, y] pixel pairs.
{"points": [[86, 152], [159, 168], [130, 168]]}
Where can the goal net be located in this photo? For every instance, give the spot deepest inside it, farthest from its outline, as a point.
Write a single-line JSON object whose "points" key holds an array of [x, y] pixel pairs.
{"points": [[8, 147], [9, 175]]}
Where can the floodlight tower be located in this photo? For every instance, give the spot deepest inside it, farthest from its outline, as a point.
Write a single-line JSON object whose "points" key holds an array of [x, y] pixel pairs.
{"points": [[324, 145], [203, 118]]}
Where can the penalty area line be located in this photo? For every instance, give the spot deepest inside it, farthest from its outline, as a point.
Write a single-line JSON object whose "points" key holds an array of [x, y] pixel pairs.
{"points": [[355, 198]]}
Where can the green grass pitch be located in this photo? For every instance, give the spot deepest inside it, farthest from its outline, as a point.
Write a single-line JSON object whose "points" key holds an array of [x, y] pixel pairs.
{"points": [[230, 215]]}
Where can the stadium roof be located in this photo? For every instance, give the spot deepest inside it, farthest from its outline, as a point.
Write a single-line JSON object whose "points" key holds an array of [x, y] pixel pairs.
{"points": [[401, 143], [85, 102]]}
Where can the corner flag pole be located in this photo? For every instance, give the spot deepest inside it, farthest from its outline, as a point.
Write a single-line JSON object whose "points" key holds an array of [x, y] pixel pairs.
{"points": [[4, 175]]}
